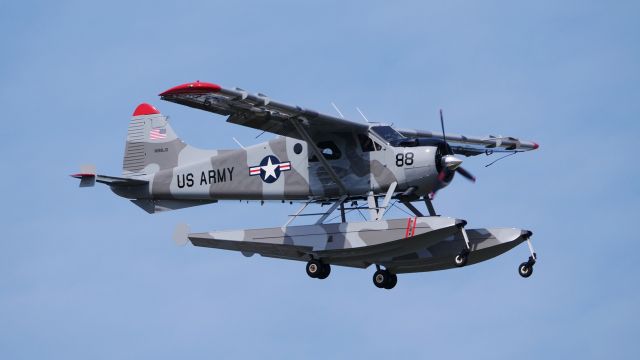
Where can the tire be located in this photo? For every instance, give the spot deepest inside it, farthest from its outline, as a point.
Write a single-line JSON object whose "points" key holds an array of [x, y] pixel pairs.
{"points": [[325, 271], [525, 270], [380, 278], [461, 259], [314, 268], [392, 280]]}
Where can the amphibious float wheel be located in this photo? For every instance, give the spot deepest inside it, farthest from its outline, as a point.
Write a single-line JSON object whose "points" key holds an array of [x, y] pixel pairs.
{"points": [[326, 270], [525, 269], [392, 280], [380, 278], [461, 259], [384, 279], [314, 268]]}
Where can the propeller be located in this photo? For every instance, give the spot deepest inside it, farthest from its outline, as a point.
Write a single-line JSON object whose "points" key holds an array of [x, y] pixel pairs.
{"points": [[449, 161], [467, 175]]}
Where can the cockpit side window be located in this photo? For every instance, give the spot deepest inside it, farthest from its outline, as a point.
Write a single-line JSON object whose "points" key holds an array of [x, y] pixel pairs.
{"points": [[367, 144], [329, 150], [388, 133]]}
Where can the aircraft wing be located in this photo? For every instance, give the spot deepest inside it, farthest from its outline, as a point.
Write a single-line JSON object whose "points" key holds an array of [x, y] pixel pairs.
{"points": [[471, 146], [260, 112], [257, 110]]}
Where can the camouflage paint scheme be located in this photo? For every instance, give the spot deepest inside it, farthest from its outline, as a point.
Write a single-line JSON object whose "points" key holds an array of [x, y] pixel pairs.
{"points": [[360, 161], [401, 245], [177, 171], [485, 244], [315, 158]]}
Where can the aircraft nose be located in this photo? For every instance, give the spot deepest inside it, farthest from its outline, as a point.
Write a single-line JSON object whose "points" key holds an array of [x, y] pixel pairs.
{"points": [[451, 162]]}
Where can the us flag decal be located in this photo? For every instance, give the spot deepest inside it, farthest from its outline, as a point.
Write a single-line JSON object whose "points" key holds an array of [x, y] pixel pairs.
{"points": [[158, 133]]}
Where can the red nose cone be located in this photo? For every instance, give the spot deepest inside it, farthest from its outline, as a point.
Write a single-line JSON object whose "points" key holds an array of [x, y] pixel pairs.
{"points": [[145, 109], [535, 146], [192, 88]]}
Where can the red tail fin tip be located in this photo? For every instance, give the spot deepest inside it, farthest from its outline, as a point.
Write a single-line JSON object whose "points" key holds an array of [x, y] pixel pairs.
{"points": [[145, 109]]}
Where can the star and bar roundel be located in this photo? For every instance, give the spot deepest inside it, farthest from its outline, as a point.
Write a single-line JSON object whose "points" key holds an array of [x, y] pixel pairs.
{"points": [[270, 169]]}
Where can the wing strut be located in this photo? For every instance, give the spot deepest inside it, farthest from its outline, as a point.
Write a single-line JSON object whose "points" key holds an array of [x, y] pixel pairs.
{"points": [[432, 211], [292, 217], [372, 201], [318, 154], [387, 199], [331, 209], [410, 206]]}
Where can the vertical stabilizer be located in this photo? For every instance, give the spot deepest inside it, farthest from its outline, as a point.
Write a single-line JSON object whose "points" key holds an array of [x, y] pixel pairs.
{"points": [[152, 145]]}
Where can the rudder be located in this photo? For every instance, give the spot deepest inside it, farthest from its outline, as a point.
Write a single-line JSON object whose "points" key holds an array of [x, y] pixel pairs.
{"points": [[151, 145]]}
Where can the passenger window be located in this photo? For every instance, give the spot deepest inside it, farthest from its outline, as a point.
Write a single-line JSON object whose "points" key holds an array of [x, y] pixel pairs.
{"points": [[329, 150], [367, 144]]}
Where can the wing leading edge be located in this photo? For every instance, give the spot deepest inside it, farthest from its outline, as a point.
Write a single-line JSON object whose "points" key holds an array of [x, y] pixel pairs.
{"points": [[260, 112], [257, 111], [470, 145]]}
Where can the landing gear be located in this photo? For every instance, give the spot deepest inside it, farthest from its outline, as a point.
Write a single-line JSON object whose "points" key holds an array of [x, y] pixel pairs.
{"points": [[317, 269], [526, 268], [326, 270], [462, 258], [384, 279]]}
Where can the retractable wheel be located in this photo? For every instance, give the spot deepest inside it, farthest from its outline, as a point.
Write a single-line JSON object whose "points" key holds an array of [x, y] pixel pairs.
{"points": [[314, 268], [461, 259]]}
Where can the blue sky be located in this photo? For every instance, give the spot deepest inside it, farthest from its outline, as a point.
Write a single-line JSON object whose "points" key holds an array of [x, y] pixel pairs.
{"points": [[84, 274]]}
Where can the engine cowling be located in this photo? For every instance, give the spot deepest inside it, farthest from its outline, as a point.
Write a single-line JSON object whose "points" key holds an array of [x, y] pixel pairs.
{"points": [[444, 163]]}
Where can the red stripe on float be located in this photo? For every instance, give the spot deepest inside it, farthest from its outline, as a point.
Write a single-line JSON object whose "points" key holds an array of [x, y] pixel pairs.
{"points": [[413, 230], [406, 233]]}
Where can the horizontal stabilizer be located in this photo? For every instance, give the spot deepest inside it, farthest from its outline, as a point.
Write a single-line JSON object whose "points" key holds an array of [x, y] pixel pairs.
{"points": [[118, 181], [154, 206], [87, 175], [88, 179]]}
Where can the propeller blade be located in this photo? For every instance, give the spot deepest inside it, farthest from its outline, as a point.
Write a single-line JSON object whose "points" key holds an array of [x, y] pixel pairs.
{"points": [[444, 138], [466, 174]]}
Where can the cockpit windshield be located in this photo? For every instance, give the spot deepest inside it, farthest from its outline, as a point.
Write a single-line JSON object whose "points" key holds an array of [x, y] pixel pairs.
{"points": [[387, 133]]}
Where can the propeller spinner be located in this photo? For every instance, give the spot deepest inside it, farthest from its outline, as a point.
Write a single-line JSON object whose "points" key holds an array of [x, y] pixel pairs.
{"points": [[449, 161]]}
